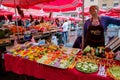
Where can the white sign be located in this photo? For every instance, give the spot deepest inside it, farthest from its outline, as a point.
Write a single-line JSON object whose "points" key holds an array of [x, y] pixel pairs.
{"points": [[41, 42]]}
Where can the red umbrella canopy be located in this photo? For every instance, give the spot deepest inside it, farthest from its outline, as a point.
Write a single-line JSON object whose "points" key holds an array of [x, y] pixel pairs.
{"points": [[115, 9], [21, 3], [5, 12], [114, 12], [59, 5]]}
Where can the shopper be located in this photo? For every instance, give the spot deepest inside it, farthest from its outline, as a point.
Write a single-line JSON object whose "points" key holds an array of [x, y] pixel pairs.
{"points": [[57, 23], [65, 28], [58, 34]]}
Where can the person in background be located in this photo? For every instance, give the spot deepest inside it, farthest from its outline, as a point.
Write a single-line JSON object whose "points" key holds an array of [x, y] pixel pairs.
{"points": [[95, 27], [36, 22], [56, 22], [59, 34], [73, 25], [27, 23], [20, 22], [65, 28], [42, 20]]}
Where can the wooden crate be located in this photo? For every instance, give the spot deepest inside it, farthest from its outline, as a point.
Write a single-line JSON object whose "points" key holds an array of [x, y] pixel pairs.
{"points": [[5, 40]]}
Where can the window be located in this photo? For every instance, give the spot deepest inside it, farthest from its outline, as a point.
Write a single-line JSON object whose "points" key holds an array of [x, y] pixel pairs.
{"points": [[116, 1], [91, 0], [104, 6], [73, 15], [115, 4]]}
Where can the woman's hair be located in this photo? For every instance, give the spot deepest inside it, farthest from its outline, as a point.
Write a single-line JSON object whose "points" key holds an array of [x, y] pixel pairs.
{"points": [[94, 6]]}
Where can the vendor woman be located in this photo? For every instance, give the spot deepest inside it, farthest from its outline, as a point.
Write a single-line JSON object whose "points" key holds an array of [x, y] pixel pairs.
{"points": [[95, 26]]}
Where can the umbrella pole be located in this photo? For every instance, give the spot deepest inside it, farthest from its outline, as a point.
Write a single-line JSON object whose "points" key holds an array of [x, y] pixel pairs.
{"points": [[16, 21], [83, 25], [1, 2]]}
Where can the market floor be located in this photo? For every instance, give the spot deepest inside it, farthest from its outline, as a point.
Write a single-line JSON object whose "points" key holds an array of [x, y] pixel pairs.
{"points": [[13, 76], [9, 76], [72, 37]]}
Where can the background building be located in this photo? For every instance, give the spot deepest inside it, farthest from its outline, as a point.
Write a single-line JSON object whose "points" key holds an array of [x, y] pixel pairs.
{"points": [[104, 4]]}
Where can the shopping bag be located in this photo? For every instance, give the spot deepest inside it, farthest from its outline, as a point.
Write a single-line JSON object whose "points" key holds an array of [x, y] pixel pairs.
{"points": [[54, 40]]}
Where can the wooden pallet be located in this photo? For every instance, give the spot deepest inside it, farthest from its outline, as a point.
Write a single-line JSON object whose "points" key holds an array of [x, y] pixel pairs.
{"points": [[114, 43]]}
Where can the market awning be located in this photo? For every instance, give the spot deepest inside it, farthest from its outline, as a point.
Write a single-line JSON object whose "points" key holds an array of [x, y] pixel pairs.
{"points": [[5, 12], [114, 12], [59, 5], [21, 3]]}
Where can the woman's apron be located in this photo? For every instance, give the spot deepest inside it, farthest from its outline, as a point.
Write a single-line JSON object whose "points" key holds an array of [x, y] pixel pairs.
{"points": [[95, 36]]}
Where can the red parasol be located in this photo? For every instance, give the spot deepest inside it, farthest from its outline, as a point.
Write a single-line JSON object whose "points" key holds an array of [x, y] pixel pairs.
{"points": [[59, 5], [5, 12], [21, 3], [114, 12], [115, 9]]}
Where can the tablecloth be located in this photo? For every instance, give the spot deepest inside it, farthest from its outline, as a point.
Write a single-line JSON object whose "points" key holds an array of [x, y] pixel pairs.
{"points": [[31, 68]]}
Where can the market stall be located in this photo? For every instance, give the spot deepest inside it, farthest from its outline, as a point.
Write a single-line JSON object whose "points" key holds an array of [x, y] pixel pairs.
{"points": [[40, 31], [31, 68], [52, 62]]}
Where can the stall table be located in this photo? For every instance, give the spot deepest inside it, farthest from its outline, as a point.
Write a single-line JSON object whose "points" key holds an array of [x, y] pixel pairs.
{"points": [[31, 68]]}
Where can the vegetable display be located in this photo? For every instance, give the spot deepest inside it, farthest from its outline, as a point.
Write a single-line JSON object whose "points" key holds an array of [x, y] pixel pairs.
{"points": [[87, 67]]}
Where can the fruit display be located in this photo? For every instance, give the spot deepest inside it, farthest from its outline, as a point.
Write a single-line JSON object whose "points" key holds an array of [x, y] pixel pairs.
{"points": [[114, 72], [97, 60], [39, 28], [99, 52], [62, 61], [70, 50], [51, 55], [42, 27], [109, 53], [16, 29], [87, 67]]}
